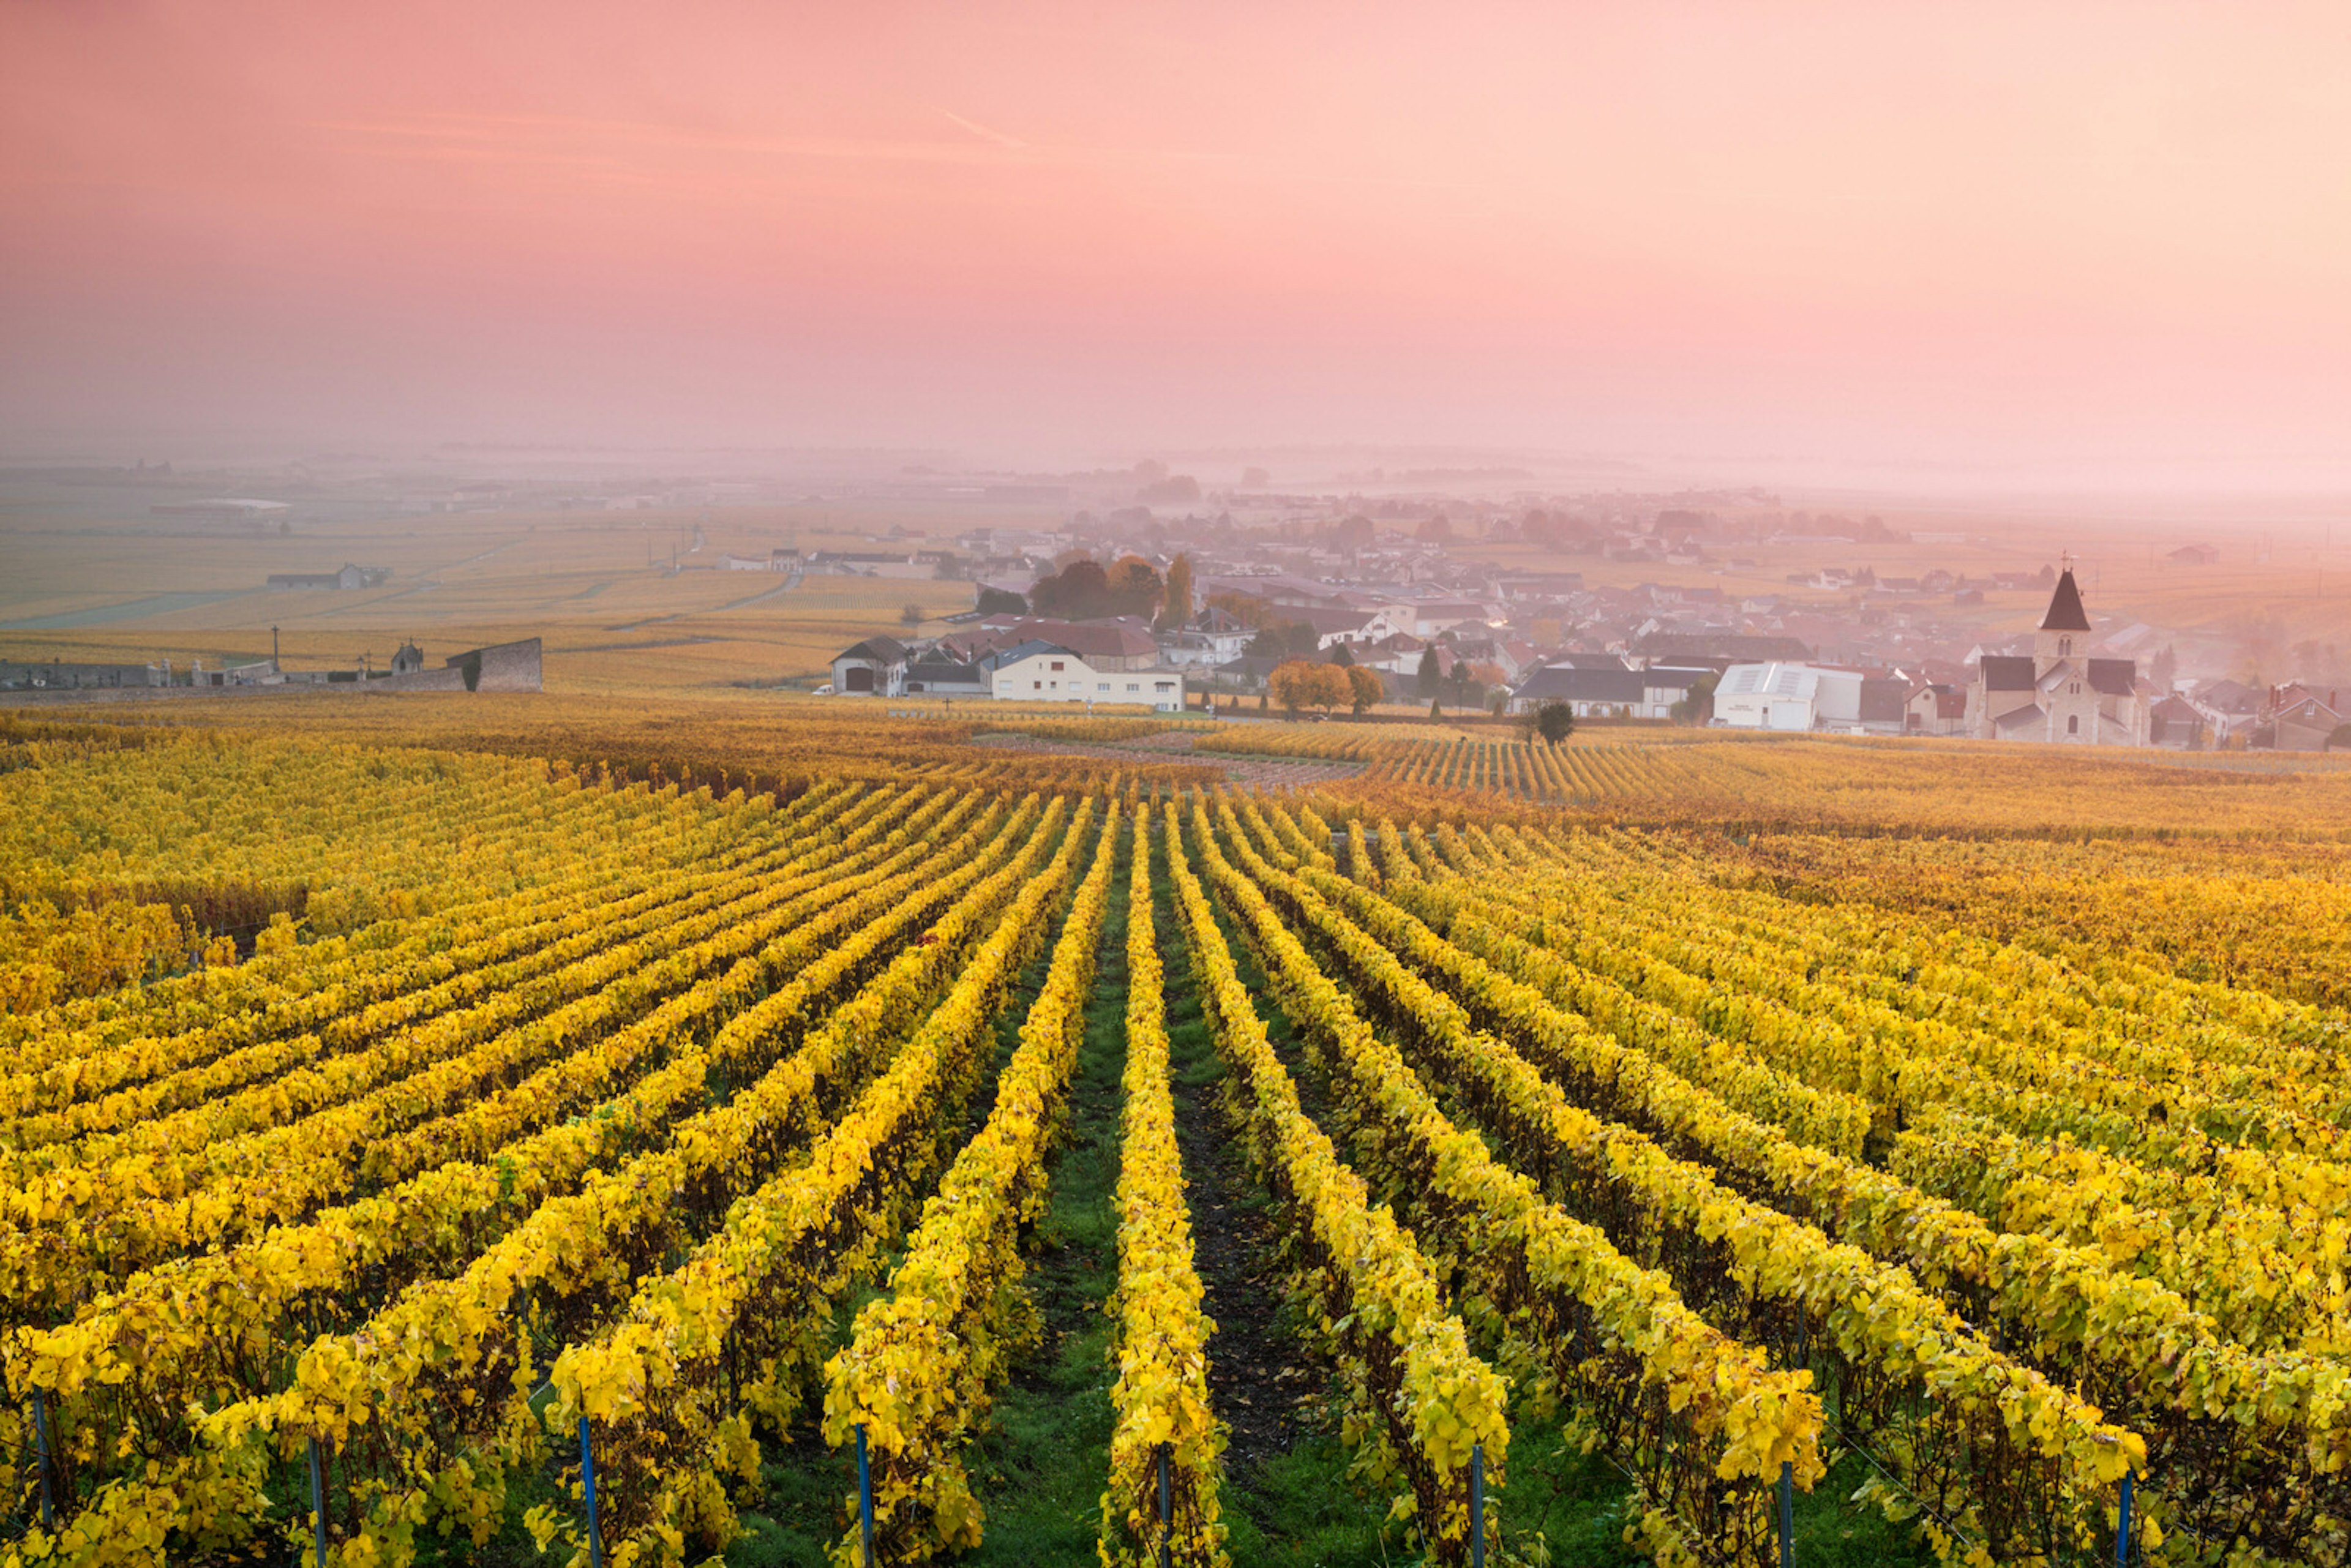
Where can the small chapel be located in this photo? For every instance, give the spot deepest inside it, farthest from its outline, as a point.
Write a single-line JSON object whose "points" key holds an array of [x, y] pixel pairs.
{"points": [[2059, 693]]}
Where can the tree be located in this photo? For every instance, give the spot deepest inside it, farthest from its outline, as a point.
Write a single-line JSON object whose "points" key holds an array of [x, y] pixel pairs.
{"points": [[1341, 656], [1246, 608], [1134, 587], [1555, 721], [1431, 671], [1496, 700], [2165, 671], [1435, 710], [1698, 707], [1301, 684], [1294, 640], [910, 614], [1177, 609], [1079, 592], [1368, 689], [1001, 602], [1436, 531], [1352, 535]]}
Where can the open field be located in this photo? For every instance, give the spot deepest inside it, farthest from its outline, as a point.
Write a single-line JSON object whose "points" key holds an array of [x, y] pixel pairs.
{"points": [[1947, 1136]]}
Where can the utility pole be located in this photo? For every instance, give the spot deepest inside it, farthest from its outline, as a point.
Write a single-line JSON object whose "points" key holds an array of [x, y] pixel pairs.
{"points": [[275, 668]]}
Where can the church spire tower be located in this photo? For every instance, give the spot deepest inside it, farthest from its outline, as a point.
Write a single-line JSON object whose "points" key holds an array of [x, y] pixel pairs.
{"points": [[2065, 630]]}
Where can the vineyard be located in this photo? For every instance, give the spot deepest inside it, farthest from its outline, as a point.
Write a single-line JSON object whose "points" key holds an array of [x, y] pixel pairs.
{"points": [[886, 1150]]}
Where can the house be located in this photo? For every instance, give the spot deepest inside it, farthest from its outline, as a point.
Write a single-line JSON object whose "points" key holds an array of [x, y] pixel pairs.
{"points": [[945, 677], [1885, 705], [1038, 671], [1619, 693], [2305, 720], [2059, 693], [2232, 707], [1936, 707], [1598, 687], [1397, 656], [876, 666], [2194, 555], [1212, 637], [407, 660], [1447, 615], [1203, 650], [1335, 626]]}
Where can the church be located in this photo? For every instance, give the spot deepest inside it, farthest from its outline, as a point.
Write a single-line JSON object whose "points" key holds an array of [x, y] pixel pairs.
{"points": [[2060, 694]]}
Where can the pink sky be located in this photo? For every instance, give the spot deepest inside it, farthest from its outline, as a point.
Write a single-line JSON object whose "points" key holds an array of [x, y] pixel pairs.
{"points": [[1973, 233]]}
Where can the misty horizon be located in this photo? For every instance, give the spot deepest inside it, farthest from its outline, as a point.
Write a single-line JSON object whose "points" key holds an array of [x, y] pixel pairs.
{"points": [[2003, 249]]}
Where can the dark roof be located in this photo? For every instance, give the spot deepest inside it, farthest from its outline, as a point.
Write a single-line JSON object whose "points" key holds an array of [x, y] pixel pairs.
{"points": [[1676, 676], [1883, 702], [938, 670], [1733, 646], [2177, 710], [1325, 621], [2007, 673], [2113, 677], [1556, 685], [2232, 696], [884, 650], [2066, 613], [2021, 718]]}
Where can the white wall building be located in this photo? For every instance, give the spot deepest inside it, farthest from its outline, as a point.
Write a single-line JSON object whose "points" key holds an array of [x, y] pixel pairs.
{"points": [[1787, 696], [1042, 672]]}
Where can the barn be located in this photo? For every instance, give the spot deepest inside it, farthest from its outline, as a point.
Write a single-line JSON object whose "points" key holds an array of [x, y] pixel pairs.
{"points": [[876, 666]]}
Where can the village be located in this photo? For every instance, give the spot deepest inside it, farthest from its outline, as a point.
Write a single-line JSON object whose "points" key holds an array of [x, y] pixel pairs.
{"points": [[1127, 610]]}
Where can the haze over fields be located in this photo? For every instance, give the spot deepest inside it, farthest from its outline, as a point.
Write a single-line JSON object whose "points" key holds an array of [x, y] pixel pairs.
{"points": [[1955, 246]]}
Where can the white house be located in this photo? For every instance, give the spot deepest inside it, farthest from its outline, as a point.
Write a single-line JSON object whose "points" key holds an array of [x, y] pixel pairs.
{"points": [[1039, 672]]}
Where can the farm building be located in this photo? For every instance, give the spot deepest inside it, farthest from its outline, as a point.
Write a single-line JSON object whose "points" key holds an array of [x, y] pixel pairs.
{"points": [[876, 665]]}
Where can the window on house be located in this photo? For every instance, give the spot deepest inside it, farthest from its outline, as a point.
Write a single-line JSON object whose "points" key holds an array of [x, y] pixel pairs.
{"points": [[1101, 686], [1036, 686], [2066, 646], [1133, 686], [1057, 663], [2073, 724]]}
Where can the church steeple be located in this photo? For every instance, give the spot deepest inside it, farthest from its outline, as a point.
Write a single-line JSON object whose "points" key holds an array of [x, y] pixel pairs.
{"points": [[2064, 631], [2066, 613]]}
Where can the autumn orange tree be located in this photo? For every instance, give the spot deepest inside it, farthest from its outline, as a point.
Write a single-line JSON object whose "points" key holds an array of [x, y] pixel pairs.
{"points": [[1297, 684]]}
